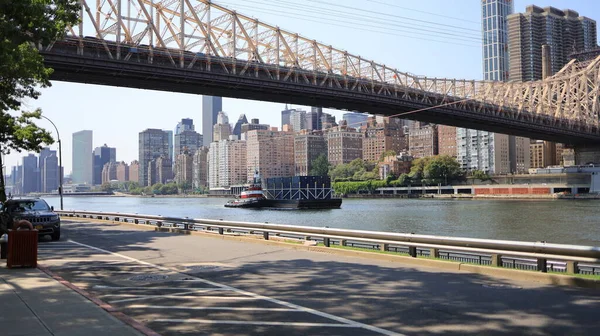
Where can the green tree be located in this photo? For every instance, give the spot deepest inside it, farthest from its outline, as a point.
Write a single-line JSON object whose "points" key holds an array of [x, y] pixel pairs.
{"points": [[442, 169], [320, 166], [23, 25], [106, 186], [387, 153], [481, 175], [418, 167], [404, 179], [20, 133]]}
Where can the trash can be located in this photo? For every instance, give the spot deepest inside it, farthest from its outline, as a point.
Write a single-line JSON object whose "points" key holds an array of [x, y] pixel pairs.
{"points": [[22, 246]]}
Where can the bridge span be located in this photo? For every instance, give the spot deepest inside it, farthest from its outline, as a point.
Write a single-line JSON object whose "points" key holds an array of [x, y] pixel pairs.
{"points": [[199, 47]]}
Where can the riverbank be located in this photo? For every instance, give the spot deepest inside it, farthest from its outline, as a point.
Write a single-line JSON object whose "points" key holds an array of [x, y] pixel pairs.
{"points": [[477, 197]]}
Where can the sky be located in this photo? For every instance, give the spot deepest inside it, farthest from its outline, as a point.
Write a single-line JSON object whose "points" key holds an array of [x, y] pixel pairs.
{"points": [[434, 38]]}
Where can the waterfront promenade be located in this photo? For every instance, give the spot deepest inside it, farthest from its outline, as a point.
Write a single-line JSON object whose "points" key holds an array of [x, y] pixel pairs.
{"points": [[204, 285]]}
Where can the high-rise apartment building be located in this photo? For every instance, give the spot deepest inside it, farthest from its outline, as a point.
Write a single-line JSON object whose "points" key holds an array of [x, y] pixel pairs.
{"points": [[153, 143], [270, 153], [222, 129], [423, 140], [253, 125], [50, 173], [227, 163], [214, 160], [102, 156], [298, 120], [30, 177], [495, 38], [383, 136], [446, 140], [211, 106], [564, 31], [480, 150], [327, 121], [237, 129], [355, 119], [109, 172], [344, 144], [286, 116], [164, 170], [134, 171], [233, 160], [185, 124], [313, 119], [122, 172], [200, 168], [187, 141], [184, 168], [83, 158], [308, 146]]}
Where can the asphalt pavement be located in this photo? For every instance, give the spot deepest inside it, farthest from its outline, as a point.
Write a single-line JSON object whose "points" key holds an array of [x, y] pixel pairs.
{"points": [[204, 285]]}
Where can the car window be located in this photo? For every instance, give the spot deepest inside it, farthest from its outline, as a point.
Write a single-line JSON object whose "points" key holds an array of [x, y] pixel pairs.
{"points": [[34, 205]]}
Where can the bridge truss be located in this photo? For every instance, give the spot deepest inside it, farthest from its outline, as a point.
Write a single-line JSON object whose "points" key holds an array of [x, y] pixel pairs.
{"points": [[199, 34]]}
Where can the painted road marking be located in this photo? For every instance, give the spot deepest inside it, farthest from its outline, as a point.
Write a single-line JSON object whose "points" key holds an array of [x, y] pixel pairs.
{"points": [[215, 308], [163, 288], [103, 266], [342, 320], [270, 323], [138, 298], [187, 297]]}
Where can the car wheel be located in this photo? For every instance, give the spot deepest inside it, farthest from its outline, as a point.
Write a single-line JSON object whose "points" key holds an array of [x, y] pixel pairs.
{"points": [[56, 235]]}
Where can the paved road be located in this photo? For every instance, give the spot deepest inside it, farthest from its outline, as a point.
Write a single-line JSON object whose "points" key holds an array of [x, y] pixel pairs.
{"points": [[196, 285]]}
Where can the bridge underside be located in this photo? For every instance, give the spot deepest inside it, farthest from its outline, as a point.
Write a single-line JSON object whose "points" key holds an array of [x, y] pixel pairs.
{"points": [[80, 69]]}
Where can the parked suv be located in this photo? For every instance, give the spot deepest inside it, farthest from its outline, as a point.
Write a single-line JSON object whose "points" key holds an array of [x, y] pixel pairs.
{"points": [[34, 210]]}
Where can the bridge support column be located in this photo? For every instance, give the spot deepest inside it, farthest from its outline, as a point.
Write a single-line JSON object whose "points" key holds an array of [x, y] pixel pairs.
{"points": [[584, 155]]}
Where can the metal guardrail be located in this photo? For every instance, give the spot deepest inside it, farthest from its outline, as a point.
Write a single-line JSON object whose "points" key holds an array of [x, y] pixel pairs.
{"points": [[540, 256]]}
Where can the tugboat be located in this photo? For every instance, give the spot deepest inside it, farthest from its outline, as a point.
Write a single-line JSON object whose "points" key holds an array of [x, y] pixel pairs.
{"points": [[297, 192], [252, 197]]}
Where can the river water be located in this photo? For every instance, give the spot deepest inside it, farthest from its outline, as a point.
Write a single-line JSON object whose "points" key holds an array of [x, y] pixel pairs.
{"points": [[553, 221]]}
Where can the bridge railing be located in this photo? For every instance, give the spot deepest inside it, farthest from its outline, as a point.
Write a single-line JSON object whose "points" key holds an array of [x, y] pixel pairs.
{"points": [[539, 256]]}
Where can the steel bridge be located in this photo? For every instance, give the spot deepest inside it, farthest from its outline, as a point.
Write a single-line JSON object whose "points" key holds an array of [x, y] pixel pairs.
{"points": [[200, 47]]}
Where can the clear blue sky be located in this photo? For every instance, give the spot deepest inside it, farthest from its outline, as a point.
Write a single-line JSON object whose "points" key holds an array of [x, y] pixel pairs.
{"points": [[117, 115]]}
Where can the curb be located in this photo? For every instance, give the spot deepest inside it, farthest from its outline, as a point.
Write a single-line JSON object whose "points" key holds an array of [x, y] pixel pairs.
{"points": [[107, 307], [507, 273]]}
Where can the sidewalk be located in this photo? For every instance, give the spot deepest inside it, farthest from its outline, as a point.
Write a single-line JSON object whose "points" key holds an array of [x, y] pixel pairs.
{"points": [[34, 304]]}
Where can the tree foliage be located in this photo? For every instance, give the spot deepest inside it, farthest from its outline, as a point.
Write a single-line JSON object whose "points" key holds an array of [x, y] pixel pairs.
{"points": [[435, 169], [442, 169], [357, 170], [481, 175], [320, 166], [386, 154], [20, 133], [25, 24]]}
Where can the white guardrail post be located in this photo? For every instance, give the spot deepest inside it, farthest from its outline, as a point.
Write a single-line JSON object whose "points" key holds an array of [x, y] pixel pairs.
{"points": [[538, 256]]}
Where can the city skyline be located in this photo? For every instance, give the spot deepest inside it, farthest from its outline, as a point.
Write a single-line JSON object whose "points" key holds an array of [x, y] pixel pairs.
{"points": [[117, 114]]}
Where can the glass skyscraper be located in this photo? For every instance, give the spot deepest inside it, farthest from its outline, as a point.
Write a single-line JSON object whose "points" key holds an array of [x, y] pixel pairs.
{"points": [[495, 38], [83, 158], [211, 106], [481, 150]]}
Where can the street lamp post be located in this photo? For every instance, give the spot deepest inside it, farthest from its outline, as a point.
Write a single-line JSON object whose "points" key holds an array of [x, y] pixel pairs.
{"points": [[60, 167]]}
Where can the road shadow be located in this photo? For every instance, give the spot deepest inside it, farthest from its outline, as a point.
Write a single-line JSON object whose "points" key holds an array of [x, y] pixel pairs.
{"points": [[417, 302]]}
